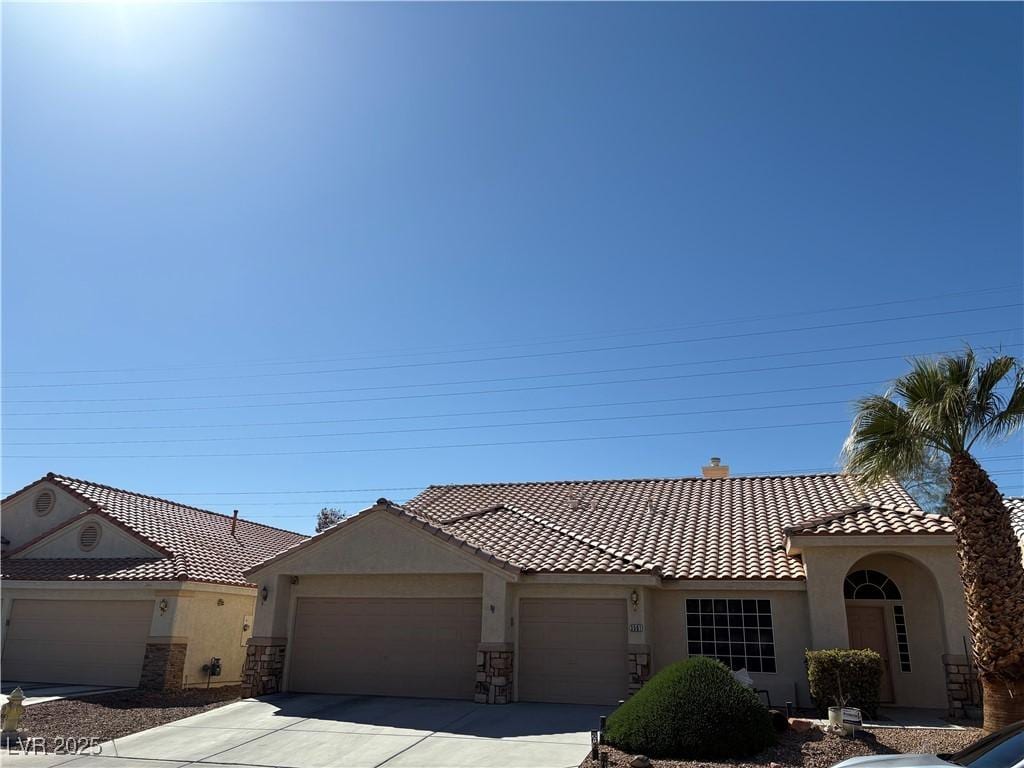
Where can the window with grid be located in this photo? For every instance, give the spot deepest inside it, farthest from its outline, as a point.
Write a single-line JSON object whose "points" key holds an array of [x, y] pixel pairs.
{"points": [[902, 643], [738, 633]]}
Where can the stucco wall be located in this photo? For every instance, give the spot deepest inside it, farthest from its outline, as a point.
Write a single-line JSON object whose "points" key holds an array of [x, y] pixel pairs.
{"points": [[216, 630], [21, 524], [789, 621], [113, 542]]}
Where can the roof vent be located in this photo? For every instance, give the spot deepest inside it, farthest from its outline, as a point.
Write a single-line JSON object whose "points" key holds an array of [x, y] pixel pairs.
{"points": [[88, 537], [715, 469], [44, 502]]}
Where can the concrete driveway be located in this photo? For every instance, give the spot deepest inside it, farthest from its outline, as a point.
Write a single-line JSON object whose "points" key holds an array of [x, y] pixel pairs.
{"points": [[311, 731]]}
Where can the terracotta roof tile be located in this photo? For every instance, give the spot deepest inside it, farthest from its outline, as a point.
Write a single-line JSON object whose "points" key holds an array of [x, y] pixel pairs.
{"points": [[873, 519], [199, 542], [688, 528]]}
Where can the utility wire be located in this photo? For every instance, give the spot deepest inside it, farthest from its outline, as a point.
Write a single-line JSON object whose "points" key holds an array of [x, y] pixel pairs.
{"points": [[415, 417], [525, 377], [395, 449], [564, 338], [532, 355], [623, 417], [571, 385]]}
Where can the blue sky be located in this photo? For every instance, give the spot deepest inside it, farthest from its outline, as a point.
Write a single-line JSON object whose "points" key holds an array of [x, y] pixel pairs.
{"points": [[712, 225]]}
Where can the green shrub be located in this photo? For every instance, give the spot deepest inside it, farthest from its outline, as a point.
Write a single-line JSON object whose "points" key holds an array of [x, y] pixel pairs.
{"points": [[844, 677], [692, 709]]}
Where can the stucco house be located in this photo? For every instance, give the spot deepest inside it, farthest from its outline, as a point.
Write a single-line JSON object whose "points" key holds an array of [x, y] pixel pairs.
{"points": [[108, 587], [579, 591]]}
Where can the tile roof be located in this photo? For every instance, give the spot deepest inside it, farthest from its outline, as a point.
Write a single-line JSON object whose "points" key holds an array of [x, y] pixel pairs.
{"points": [[198, 543], [686, 528], [873, 519]]}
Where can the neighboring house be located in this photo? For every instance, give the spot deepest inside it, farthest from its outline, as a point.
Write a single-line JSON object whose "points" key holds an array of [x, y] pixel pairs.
{"points": [[579, 591], [109, 587]]}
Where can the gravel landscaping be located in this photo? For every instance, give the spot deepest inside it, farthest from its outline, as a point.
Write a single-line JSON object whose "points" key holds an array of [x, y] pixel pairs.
{"points": [[120, 713], [815, 749]]}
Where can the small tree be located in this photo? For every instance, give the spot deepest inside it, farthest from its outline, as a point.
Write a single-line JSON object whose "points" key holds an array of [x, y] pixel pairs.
{"points": [[328, 517]]}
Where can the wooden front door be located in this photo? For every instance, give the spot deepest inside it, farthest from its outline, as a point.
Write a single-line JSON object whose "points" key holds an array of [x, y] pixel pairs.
{"points": [[867, 630]]}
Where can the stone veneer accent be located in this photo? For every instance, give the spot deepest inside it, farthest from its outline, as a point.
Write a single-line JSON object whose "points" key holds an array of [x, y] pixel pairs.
{"points": [[163, 667], [638, 662], [263, 667], [962, 688], [494, 673]]}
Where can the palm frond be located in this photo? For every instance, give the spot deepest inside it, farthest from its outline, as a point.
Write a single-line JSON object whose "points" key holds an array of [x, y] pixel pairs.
{"points": [[884, 441]]}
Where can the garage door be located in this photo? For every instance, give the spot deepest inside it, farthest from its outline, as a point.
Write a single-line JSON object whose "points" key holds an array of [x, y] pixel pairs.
{"points": [[385, 646], [92, 642], [572, 651]]}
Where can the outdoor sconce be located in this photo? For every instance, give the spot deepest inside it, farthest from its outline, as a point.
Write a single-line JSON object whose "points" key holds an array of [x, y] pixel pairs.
{"points": [[264, 593], [220, 601], [634, 598], [294, 579], [163, 606]]}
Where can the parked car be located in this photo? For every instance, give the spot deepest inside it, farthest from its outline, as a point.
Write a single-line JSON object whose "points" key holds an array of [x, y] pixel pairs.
{"points": [[1002, 749]]}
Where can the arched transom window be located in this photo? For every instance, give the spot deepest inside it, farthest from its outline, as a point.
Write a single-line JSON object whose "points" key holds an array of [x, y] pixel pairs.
{"points": [[870, 585]]}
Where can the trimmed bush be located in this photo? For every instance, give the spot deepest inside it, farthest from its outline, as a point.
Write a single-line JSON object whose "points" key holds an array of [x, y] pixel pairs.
{"points": [[845, 677], [692, 709]]}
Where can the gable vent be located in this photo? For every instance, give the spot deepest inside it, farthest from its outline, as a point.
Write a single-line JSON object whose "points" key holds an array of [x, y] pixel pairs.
{"points": [[44, 502], [88, 536]]}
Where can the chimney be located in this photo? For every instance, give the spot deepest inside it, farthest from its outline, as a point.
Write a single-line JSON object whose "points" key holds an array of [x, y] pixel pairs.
{"points": [[715, 469], [234, 522]]}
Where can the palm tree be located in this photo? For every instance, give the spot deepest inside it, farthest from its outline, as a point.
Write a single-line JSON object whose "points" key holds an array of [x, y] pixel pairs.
{"points": [[948, 406]]}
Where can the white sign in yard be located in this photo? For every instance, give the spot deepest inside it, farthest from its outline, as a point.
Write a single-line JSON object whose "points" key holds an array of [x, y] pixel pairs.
{"points": [[852, 716]]}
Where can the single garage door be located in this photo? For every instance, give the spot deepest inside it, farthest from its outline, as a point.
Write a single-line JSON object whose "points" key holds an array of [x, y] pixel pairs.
{"points": [[572, 651], [385, 646], [91, 642]]}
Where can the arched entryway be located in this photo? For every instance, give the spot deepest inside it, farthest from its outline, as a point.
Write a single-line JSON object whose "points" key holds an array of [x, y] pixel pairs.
{"points": [[893, 607]]}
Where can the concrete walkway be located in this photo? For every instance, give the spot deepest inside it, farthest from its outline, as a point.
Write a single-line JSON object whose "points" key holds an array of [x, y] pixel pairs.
{"points": [[37, 693], [310, 731], [908, 717]]}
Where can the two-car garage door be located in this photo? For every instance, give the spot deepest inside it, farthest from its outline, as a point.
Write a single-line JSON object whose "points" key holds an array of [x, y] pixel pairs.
{"points": [[385, 646], [91, 642], [570, 650]]}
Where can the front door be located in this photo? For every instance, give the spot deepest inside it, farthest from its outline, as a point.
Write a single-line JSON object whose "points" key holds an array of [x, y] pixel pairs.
{"points": [[867, 630]]}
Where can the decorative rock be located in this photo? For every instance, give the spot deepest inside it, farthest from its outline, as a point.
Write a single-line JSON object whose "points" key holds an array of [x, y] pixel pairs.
{"points": [[640, 761]]}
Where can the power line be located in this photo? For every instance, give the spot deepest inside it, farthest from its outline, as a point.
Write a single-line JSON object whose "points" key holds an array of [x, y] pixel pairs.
{"points": [[563, 338], [395, 449], [415, 417], [533, 355], [503, 379], [451, 428], [572, 385]]}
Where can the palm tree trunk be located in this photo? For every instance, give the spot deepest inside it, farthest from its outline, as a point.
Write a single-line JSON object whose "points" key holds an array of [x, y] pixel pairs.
{"points": [[993, 576]]}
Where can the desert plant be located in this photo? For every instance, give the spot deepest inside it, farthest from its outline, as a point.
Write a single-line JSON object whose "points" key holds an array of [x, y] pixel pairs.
{"points": [[945, 407], [692, 709], [841, 677]]}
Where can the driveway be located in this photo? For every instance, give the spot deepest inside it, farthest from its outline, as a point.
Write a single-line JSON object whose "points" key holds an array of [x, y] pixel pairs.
{"points": [[312, 731]]}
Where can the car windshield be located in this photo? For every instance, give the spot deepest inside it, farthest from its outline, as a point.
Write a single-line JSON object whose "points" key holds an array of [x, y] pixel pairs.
{"points": [[1002, 749]]}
